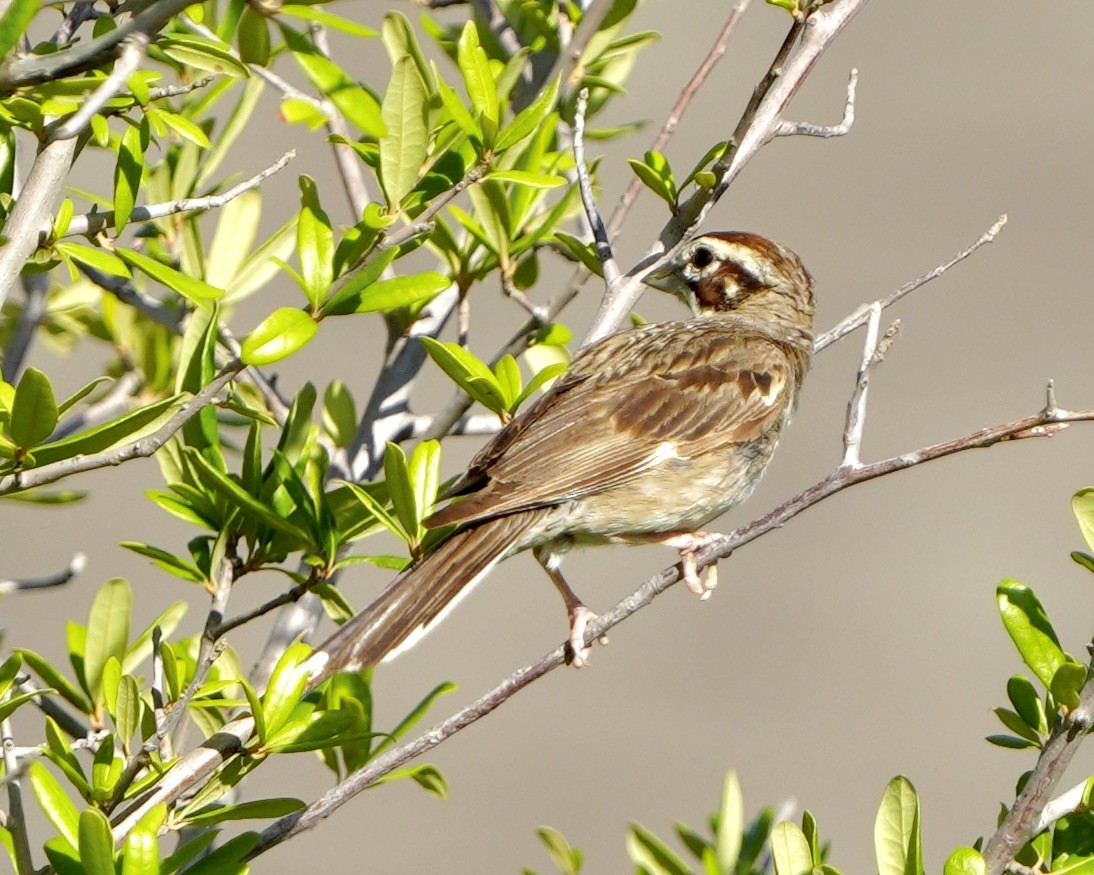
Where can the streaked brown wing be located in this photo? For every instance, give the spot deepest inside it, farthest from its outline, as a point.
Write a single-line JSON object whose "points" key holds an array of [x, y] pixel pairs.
{"points": [[680, 391]]}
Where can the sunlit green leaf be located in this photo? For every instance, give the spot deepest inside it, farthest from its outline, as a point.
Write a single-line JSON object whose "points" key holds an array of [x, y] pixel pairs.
{"points": [[95, 843], [198, 291], [790, 849], [34, 410], [107, 631], [1029, 627], [896, 831], [404, 148], [279, 335]]}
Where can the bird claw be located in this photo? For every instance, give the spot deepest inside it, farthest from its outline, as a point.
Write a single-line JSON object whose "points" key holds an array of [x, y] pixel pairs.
{"points": [[577, 650], [689, 547]]}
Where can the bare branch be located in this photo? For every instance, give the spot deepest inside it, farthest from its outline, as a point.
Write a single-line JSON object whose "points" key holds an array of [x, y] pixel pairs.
{"points": [[133, 49], [856, 407], [588, 200], [807, 129], [179, 90], [75, 566], [94, 222], [137, 449], [1067, 803], [33, 208], [860, 316]]}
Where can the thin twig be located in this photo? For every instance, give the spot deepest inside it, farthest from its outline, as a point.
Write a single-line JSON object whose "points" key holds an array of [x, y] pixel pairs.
{"points": [[17, 818], [94, 222], [837, 481], [35, 287], [52, 708], [856, 407], [59, 578], [136, 449], [860, 316], [180, 90], [1067, 803], [133, 49], [588, 199], [159, 696], [808, 129], [112, 404], [566, 67]]}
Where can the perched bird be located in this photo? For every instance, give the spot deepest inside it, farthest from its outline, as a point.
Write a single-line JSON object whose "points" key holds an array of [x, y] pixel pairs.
{"points": [[651, 433]]}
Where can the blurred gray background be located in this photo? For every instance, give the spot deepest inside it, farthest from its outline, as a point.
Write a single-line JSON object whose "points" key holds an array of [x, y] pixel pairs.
{"points": [[859, 642]]}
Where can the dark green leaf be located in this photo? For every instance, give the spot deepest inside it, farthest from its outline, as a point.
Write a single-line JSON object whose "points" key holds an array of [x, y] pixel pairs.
{"points": [[228, 858], [253, 37], [259, 808], [528, 120], [1023, 696], [314, 244], [54, 679], [1016, 724], [103, 437]]}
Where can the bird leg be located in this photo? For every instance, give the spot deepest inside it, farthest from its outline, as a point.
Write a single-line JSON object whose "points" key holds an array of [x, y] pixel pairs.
{"points": [[580, 615], [689, 545]]}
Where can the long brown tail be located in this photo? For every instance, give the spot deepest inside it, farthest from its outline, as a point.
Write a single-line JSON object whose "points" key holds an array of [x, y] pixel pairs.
{"points": [[419, 597]]}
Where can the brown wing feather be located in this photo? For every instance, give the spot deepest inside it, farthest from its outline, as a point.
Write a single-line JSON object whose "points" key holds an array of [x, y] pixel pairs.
{"points": [[696, 386]]}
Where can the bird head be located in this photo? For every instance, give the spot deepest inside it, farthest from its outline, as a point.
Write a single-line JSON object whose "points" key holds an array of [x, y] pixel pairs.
{"points": [[737, 271]]}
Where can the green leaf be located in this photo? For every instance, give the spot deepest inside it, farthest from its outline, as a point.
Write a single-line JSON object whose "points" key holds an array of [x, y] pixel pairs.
{"points": [[424, 472], [95, 843], [1010, 742], [507, 373], [1066, 684], [404, 149], [13, 25], [347, 297], [1082, 503], [237, 226], [285, 688], [731, 823], [228, 858], [80, 394], [257, 710], [261, 265], [107, 631], [127, 177], [397, 480], [327, 19], [109, 434], [231, 490], [543, 376], [8, 706], [477, 79], [401, 291], [896, 830], [253, 37], [427, 776], [524, 177], [258, 808], [566, 859], [34, 410], [1016, 724], [378, 511], [652, 855], [210, 55], [657, 179], [790, 850], [141, 852], [55, 803], [1023, 696], [238, 121], [965, 861], [460, 114], [314, 244], [127, 712], [399, 40], [191, 288], [317, 731], [468, 372], [1030, 630], [94, 257], [416, 714], [528, 120], [169, 562], [278, 336], [182, 126], [339, 414], [355, 103], [54, 679]]}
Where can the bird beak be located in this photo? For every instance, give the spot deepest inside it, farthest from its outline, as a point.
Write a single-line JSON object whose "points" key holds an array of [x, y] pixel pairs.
{"points": [[667, 279]]}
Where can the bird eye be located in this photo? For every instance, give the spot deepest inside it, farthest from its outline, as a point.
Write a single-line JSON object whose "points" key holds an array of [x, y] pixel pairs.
{"points": [[702, 257]]}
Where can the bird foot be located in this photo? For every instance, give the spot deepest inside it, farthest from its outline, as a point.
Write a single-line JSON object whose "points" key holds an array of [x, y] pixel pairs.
{"points": [[578, 650], [689, 546]]}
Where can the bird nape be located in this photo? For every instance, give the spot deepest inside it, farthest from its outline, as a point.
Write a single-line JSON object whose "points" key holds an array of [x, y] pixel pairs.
{"points": [[650, 434]]}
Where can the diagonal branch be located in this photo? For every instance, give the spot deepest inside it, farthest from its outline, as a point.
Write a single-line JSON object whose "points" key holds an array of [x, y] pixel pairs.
{"points": [[133, 49], [20, 481], [1043, 423]]}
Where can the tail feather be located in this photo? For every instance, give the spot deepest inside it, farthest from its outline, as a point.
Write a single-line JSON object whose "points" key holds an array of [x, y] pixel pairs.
{"points": [[419, 597]]}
